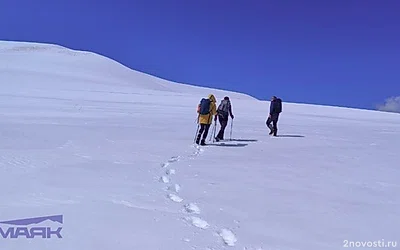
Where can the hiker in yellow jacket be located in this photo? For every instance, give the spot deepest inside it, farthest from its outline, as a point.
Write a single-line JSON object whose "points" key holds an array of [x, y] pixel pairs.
{"points": [[206, 110]]}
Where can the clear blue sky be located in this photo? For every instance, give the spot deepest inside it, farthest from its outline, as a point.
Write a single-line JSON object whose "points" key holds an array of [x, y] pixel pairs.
{"points": [[335, 52]]}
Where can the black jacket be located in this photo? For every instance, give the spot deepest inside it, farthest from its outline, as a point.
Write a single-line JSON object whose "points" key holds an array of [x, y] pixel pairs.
{"points": [[274, 107]]}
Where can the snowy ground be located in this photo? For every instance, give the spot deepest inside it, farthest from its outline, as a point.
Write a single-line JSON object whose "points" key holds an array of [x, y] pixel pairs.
{"points": [[111, 150]]}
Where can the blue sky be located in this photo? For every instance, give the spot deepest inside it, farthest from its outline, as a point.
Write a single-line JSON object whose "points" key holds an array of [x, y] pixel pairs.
{"points": [[343, 52]]}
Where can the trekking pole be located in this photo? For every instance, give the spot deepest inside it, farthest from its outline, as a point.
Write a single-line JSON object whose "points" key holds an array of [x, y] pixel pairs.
{"points": [[211, 134], [197, 130], [215, 129], [230, 136]]}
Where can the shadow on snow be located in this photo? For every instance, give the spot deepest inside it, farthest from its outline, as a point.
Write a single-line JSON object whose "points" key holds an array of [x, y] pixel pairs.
{"points": [[244, 140], [292, 136], [222, 144]]}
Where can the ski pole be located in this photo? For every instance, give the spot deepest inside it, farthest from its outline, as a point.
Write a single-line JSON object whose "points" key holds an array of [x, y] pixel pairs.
{"points": [[197, 130], [230, 136], [215, 129], [211, 134]]}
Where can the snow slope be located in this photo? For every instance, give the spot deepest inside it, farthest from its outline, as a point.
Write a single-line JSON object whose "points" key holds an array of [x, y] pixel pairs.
{"points": [[62, 69], [111, 150]]}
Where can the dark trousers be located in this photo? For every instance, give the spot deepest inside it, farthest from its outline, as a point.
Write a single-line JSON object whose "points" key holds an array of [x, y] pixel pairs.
{"points": [[274, 120], [221, 132], [203, 131]]}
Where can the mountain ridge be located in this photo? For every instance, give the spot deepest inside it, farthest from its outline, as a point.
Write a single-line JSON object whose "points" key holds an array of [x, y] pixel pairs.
{"points": [[91, 62]]}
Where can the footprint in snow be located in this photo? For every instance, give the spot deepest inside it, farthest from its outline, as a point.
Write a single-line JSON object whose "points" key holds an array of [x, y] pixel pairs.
{"points": [[198, 150], [228, 237], [192, 208], [197, 222], [176, 188], [171, 171], [174, 159], [175, 198], [171, 160], [164, 179]]}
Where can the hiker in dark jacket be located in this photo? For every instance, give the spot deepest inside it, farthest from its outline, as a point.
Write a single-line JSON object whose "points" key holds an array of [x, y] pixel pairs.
{"points": [[224, 111], [274, 111]]}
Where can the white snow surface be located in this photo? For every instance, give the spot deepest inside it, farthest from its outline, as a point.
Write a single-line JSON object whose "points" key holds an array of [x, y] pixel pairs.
{"points": [[111, 149]]}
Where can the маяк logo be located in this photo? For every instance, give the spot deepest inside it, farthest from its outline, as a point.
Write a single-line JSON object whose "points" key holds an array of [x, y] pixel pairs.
{"points": [[19, 228]]}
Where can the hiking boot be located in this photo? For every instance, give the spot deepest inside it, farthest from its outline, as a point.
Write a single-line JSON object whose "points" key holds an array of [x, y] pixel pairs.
{"points": [[197, 141], [203, 142]]}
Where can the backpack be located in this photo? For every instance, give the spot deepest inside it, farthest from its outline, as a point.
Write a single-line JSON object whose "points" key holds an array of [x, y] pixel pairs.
{"points": [[224, 106], [278, 105], [204, 106]]}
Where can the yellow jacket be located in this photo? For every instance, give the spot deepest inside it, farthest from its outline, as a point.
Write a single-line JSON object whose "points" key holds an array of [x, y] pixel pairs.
{"points": [[207, 119]]}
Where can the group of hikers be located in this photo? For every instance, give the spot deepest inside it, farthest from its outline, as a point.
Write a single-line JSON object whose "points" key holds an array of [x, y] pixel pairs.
{"points": [[207, 109]]}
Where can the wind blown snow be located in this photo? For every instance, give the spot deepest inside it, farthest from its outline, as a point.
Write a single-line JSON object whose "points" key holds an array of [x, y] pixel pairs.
{"points": [[391, 104], [111, 149]]}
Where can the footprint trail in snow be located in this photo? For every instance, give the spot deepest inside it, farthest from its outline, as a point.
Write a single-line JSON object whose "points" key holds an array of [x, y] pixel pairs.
{"points": [[227, 236]]}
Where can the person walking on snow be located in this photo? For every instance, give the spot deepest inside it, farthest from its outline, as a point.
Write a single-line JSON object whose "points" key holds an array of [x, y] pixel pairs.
{"points": [[274, 110], [224, 111], [206, 110]]}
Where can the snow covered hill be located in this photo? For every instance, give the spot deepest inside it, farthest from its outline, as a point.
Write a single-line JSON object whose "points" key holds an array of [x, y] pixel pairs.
{"points": [[111, 150], [60, 68]]}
